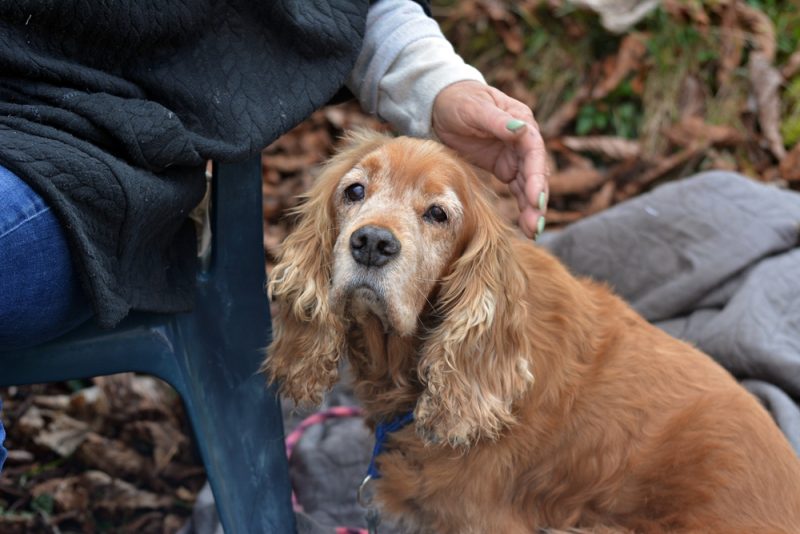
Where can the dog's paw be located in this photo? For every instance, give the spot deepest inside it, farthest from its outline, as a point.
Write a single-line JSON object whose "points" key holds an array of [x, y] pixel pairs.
{"points": [[435, 426]]}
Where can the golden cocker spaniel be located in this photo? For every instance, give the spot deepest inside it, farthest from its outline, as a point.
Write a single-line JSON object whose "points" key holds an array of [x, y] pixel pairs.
{"points": [[540, 401]]}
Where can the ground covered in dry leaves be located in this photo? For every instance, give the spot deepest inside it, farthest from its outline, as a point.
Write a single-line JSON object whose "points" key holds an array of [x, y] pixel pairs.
{"points": [[698, 84], [110, 454]]}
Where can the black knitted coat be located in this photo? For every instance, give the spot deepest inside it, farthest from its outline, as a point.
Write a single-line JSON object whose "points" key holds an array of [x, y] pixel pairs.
{"points": [[109, 110]]}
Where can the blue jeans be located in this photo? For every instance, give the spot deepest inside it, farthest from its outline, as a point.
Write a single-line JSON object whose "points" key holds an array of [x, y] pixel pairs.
{"points": [[3, 452], [40, 295]]}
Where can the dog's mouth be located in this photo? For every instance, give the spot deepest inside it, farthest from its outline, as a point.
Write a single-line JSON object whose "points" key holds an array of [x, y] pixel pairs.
{"points": [[364, 299]]}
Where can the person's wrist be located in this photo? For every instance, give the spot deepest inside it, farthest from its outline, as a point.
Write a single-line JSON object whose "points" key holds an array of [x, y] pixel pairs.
{"points": [[445, 101]]}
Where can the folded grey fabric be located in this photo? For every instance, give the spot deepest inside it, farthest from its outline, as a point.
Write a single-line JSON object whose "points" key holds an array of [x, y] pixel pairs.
{"points": [[713, 260], [334, 455]]}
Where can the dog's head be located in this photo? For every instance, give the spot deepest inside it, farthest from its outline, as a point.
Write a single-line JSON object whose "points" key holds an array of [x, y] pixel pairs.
{"points": [[401, 216], [400, 230]]}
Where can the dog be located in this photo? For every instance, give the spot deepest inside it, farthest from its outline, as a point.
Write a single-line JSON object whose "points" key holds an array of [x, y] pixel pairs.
{"points": [[539, 400]]}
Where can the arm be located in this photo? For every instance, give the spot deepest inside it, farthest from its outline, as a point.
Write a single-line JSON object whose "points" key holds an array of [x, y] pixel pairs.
{"points": [[409, 74]]}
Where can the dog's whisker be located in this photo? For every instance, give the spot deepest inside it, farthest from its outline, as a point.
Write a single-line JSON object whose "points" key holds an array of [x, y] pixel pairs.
{"points": [[423, 295]]}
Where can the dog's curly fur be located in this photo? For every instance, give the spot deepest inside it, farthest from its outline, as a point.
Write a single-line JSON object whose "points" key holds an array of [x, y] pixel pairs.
{"points": [[540, 400]]}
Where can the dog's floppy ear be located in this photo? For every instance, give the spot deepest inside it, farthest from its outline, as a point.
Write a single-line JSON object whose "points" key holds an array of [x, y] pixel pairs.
{"points": [[308, 339], [475, 363]]}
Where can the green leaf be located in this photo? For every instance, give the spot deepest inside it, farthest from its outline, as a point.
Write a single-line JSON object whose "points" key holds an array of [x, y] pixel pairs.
{"points": [[44, 503], [584, 124]]}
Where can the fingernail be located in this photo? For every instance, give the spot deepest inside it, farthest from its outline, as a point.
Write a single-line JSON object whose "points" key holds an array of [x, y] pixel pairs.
{"points": [[514, 125], [540, 226], [542, 201]]}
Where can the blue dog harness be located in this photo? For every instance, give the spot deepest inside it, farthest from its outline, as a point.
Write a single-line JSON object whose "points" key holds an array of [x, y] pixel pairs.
{"points": [[382, 431]]}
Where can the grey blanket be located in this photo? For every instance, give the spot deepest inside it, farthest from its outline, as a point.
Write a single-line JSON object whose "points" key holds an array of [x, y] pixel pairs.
{"points": [[714, 260]]}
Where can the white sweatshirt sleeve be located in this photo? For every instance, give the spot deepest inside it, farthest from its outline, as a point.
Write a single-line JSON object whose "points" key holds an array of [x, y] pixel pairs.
{"points": [[404, 63]]}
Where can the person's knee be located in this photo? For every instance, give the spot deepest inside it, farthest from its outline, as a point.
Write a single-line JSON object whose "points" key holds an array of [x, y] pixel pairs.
{"points": [[40, 295]]}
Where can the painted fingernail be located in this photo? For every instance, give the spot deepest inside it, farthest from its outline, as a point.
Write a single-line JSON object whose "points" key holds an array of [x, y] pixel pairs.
{"points": [[540, 226], [514, 125], [542, 201]]}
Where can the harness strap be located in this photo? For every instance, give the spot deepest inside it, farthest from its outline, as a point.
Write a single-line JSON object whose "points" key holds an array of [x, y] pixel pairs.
{"points": [[382, 432]]}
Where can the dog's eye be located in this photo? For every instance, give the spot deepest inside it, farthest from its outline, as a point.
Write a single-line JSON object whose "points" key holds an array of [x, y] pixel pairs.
{"points": [[354, 192], [436, 213]]}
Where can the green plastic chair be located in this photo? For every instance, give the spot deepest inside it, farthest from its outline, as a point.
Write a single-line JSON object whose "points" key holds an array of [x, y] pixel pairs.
{"points": [[210, 356]]}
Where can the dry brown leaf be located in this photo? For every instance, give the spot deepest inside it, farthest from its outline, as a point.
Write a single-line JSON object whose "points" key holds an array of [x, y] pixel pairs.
{"points": [[692, 97], [89, 403], [505, 24], [184, 494], [111, 456], [273, 237], [574, 180], [612, 147], [164, 437], [52, 402], [172, 523], [113, 494], [63, 435], [271, 176], [336, 115], [31, 421], [792, 66], [101, 491], [602, 199], [12, 523], [790, 165], [762, 31], [617, 16], [693, 130], [771, 175], [663, 167], [628, 59], [690, 11], [147, 522], [272, 202], [560, 156], [342, 117], [731, 46], [555, 217], [180, 472], [19, 456], [67, 493], [128, 394], [290, 163], [766, 82], [721, 160], [512, 38], [565, 114], [496, 10]]}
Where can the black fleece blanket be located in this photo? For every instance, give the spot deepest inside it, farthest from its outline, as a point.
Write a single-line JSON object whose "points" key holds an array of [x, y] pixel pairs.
{"points": [[110, 110]]}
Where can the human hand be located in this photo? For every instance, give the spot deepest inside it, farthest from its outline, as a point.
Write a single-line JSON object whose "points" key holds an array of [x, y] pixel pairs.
{"points": [[499, 134]]}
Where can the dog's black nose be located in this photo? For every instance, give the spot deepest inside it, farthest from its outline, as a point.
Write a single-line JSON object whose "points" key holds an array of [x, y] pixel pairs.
{"points": [[373, 246]]}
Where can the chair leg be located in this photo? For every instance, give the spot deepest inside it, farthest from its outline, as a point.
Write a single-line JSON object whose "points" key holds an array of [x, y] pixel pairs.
{"points": [[236, 419], [238, 427]]}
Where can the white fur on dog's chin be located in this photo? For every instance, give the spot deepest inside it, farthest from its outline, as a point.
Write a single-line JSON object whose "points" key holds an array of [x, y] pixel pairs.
{"points": [[364, 301], [356, 300]]}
